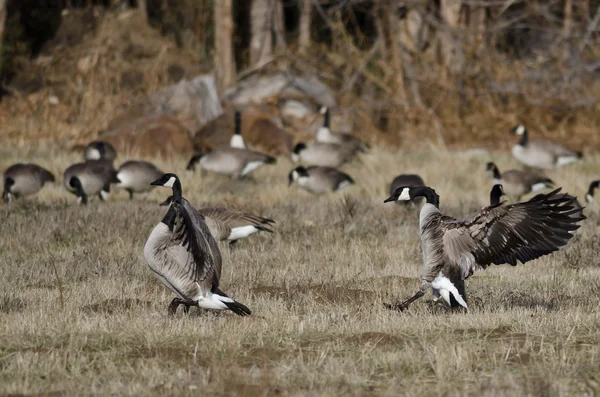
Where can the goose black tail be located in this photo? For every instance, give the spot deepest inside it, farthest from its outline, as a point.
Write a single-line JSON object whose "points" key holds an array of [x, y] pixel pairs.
{"points": [[579, 155], [460, 286], [234, 306]]}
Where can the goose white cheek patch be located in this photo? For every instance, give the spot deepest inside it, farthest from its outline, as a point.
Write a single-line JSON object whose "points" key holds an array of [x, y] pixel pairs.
{"points": [[520, 130], [405, 195], [170, 182]]}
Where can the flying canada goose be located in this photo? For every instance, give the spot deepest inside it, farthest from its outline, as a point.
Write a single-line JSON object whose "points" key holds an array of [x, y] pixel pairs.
{"points": [[323, 154], [237, 141], [540, 153], [230, 161], [24, 180], [517, 183], [325, 135], [90, 178], [228, 224], [589, 197], [319, 180], [136, 176], [407, 180], [453, 249], [185, 256], [100, 150]]}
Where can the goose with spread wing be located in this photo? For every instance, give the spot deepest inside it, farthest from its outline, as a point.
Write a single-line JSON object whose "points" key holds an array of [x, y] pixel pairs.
{"points": [[185, 256], [453, 249]]}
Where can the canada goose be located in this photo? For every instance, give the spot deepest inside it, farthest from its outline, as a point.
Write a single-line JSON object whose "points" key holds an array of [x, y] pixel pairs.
{"points": [[589, 197], [237, 141], [185, 256], [325, 135], [100, 150], [24, 180], [322, 154], [319, 180], [228, 224], [453, 249], [540, 153], [136, 176], [90, 178], [230, 161], [496, 193], [517, 183], [407, 180]]}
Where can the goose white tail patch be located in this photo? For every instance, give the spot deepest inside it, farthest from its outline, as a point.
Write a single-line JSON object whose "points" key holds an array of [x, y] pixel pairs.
{"points": [[124, 180], [104, 194], [566, 160], [251, 166], [213, 301], [241, 232], [538, 186], [170, 182], [237, 141], [445, 286], [405, 195]]}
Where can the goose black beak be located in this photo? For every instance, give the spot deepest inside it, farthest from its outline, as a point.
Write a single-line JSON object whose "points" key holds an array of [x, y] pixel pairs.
{"points": [[391, 198], [157, 182]]}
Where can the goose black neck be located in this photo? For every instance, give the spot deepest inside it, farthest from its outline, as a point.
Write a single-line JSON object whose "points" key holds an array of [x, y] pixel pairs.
{"points": [[496, 172], [430, 195], [495, 195], [177, 191], [524, 138], [238, 123], [326, 120], [169, 218], [593, 187]]}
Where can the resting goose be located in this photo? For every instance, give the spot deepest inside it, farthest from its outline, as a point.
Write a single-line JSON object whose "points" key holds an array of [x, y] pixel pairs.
{"points": [[323, 154], [90, 178], [589, 197], [185, 256], [230, 161], [228, 224], [137, 176], [319, 180], [325, 135], [540, 153], [407, 180], [100, 150], [237, 141], [518, 183], [24, 180], [453, 249]]}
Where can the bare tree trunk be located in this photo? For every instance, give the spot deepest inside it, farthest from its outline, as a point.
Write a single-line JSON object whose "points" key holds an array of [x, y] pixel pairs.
{"points": [[394, 48], [568, 19], [2, 24], [451, 51], [224, 60], [143, 9], [261, 42], [305, 23], [279, 25]]}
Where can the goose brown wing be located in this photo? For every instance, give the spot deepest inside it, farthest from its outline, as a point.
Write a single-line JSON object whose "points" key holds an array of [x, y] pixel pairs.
{"points": [[506, 234], [193, 234]]}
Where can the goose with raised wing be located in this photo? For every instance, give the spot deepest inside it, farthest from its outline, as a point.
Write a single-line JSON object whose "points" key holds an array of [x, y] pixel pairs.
{"points": [[228, 224], [541, 153], [24, 180], [230, 161], [137, 176], [517, 183], [91, 178], [184, 255], [319, 180], [453, 249]]}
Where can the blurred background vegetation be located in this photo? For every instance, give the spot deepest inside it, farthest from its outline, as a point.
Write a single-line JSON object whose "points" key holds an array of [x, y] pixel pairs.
{"points": [[444, 69]]}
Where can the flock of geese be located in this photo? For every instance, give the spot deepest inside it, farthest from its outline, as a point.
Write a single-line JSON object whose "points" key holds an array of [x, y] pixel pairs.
{"points": [[182, 248]]}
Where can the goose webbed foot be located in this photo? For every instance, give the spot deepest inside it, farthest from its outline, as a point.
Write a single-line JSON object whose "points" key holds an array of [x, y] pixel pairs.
{"points": [[401, 306], [175, 304]]}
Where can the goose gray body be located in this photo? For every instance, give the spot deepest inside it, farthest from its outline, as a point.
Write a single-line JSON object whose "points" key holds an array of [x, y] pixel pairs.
{"points": [[94, 178], [184, 255], [319, 180], [453, 249], [100, 150], [323, 154], [137, 176], [541, 153], [231, 161], [517, 183], [24, 180]]}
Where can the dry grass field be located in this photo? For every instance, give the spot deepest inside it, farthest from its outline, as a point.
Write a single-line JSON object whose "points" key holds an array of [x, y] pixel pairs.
{"points": [[81, 314]]}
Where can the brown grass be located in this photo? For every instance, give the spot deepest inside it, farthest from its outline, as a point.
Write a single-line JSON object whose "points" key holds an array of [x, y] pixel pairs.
{"points": [[316, 287]]}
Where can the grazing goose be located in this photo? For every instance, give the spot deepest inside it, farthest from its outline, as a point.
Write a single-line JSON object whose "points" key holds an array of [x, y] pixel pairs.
{"points": [[185, 256], [24, 180], [90, 178], [589, 197], [319, 180], [136, 176], [100, 150], [325, 135], [323, 154], [407, 180], [518, 183], [237, 141], [228, 224], [453, 249], [230, 161], [540, 153]]}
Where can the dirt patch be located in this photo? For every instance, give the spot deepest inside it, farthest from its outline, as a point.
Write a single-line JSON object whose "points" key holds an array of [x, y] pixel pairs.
{"points": [[111, 306], [164, 353], [323, 293], [375, 339]]}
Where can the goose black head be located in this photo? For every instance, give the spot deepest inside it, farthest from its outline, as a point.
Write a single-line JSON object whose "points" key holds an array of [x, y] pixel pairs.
{"points": [[8, 182], [299, 147], [75, 183], [169, 181], [193, 161], [100, 150], [296, 173], [519, 130], [409, 193], [491, 166], [496, 193]]}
